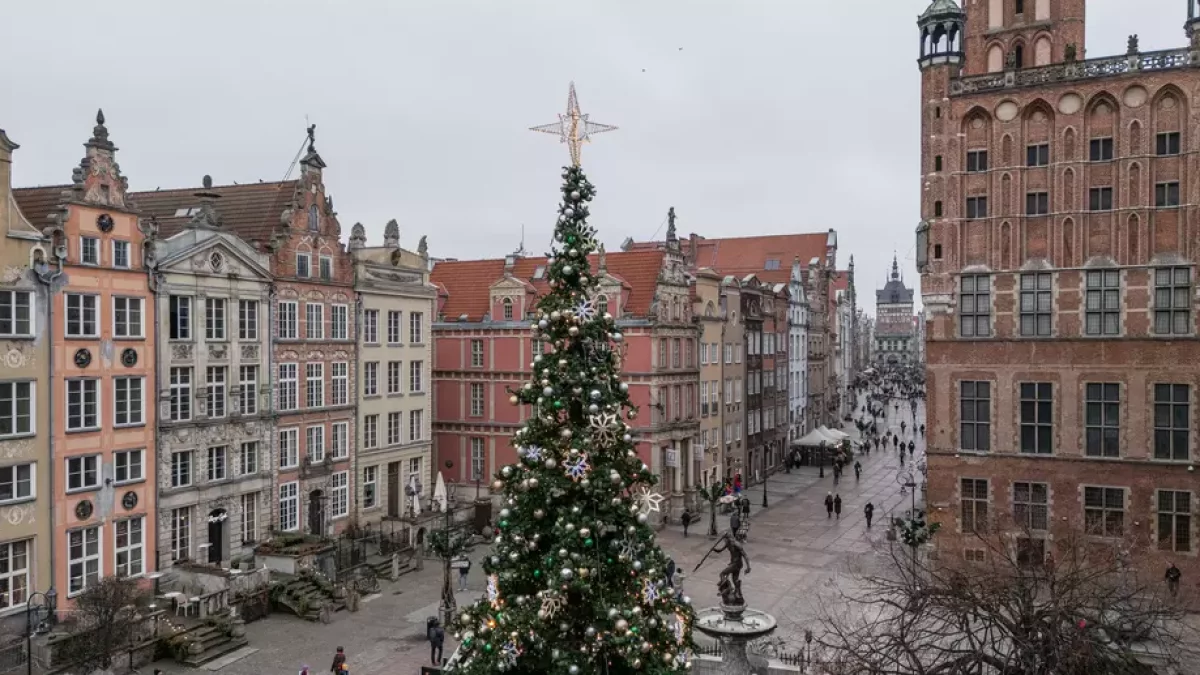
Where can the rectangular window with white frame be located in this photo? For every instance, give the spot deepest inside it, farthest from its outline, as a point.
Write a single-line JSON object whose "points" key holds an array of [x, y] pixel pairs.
{"points": [[314, 439], [89, 251], [416, 370], [247, 319], [181, 394], [181, 534], [248, 459], [287, 322], [477, 399], [339, 440], [16, 573], [303, 265], [83, 559], [393, 327], [289, 448], [339, 382], [326, 265], [288, 398], [314, 385], [416, 424], [370, 487], [314, 321], [476, 353], [82, 314], [393, 430], [393, 384], [416, 327], [83, 404], [218, 463], [250, 518], [120, 255], [371, 432], [17, 409], [248, 390], [339, 322], [18, 484], [129, 547], [179, 310], [214, 319], [477, 459], [129, 401], [129, 466], [371, 378], [216, 391], [340, 497], [128, 318], [17, 314], [371, 326], [289, 506], [181, 468]]}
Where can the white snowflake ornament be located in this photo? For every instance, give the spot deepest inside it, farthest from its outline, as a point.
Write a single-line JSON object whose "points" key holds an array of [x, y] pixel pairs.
{"points": [[532, 453], [647, 502], [650, 591], [551, 604], [605, 427], [577, 468], [585, 310], [493, 590]]}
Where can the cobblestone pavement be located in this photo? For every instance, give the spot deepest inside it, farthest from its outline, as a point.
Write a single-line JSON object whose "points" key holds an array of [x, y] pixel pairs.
{"points": [[796, 553]]}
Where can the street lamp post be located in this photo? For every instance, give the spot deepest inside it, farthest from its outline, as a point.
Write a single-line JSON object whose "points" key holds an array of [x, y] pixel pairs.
{"points": [[766, 474], [48, 603], [821, 461], [449, 606]]}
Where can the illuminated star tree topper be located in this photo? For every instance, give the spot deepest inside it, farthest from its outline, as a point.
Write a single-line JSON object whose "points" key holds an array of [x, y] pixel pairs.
{"points": [[573, 127]]}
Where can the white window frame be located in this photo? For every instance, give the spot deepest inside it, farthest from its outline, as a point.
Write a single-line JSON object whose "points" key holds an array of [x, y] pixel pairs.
{"points": [[288, 322], [370, 487], [339, 383], [248, 458], [122, 243], [478, 458], [81, 423], [339, 440], [181, 325], [248, 320], [84, 299], [10, 408], [289, 447], [217, 463], [181, 394], [371, 326], [134, 552], [15, 481], [83, 246], [180, 533], [15, 581], [395, 327], [288, 393], [478, 403], [134, 415], [216, 392], [416, 425], [370, 432], [289, 506], [314, 384], [132, 459], [395, 381], [314, 310], [416, 328], [339, 488], [10, 306], [247, 390], [371, 378], [314, 443], [249, 503], [416, 377], [307, 267], [339, 322], [96, 557], [130, 301], [183, 469], [395, 432], [322, 260], [216, 319]]}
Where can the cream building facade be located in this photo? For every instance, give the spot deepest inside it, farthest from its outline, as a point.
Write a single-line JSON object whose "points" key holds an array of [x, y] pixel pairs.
{"points": [[26, 494], [722, 373], [215, 470], [395, 360]]}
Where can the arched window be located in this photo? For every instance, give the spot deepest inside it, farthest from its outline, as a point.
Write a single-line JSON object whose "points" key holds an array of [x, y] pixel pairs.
{"points": [[1019, 57], [508, 309], [601, 305], [313, 218]]}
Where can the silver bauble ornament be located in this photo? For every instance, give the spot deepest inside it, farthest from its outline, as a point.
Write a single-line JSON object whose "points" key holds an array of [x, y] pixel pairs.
{"points": [[641, 518], [550, 463], [506, 471], [567, 573], [548, 391], [622, 624], [568, 270]]}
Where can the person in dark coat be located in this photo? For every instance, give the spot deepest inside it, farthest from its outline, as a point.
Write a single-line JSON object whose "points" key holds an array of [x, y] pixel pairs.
{"points": [[857, 470], [829, 505], [687, 519], [837, 506], [437, 638], [338, 659], [869, 512]]}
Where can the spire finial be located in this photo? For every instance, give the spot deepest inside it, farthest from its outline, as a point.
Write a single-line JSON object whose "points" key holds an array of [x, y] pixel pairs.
{"points": [[207, 182], [312, 138], [99, 115], [895, 267], [671, 235]]}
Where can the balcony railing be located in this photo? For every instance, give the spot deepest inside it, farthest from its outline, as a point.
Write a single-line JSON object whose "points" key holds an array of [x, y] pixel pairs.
{"points": [[1070, 71]]}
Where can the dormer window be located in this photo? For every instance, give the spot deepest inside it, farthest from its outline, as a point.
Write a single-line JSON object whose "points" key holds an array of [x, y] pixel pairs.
{"points": [[772, 264], [313, 218], [601, 304], [539, 272], [507, 308]]}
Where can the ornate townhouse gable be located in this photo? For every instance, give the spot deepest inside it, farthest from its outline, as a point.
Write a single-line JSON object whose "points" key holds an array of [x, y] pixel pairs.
{"points": [[313, 334], [95, 266], [397, 305], [215, 479], [797, 352]]}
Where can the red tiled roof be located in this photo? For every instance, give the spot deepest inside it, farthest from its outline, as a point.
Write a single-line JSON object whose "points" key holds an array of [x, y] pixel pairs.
{"points": [[37, 203], [466, 284], [250, 211], [740, 256]]}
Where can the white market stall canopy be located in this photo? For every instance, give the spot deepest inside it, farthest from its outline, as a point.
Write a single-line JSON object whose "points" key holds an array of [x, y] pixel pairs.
{"points": [[815, 437]]}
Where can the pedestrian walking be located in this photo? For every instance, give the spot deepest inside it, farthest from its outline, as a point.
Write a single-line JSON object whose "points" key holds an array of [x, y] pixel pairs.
{"points": [[837, 506], [911, 447], [1172, 576], [922, 431], [437, 637], [829, 505], [857, 470], [463, 570], [687, 519], [869, 512], [671, 572], [339, 658], [903, 426]]}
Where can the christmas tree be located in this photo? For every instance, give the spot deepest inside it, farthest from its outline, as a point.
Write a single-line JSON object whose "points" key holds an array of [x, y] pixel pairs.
{"points": [[576, 583]]}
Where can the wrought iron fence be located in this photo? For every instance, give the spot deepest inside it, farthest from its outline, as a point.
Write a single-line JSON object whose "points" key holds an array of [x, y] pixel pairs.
{"points": [[12, 657]]}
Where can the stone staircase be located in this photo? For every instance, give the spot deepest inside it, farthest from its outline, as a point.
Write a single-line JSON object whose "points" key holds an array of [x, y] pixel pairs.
{"points": [[304, 597], [214, 643]]}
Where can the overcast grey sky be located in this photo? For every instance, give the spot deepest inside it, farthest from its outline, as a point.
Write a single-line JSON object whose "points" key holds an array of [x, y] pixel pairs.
{"points": [[747, 116]]}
